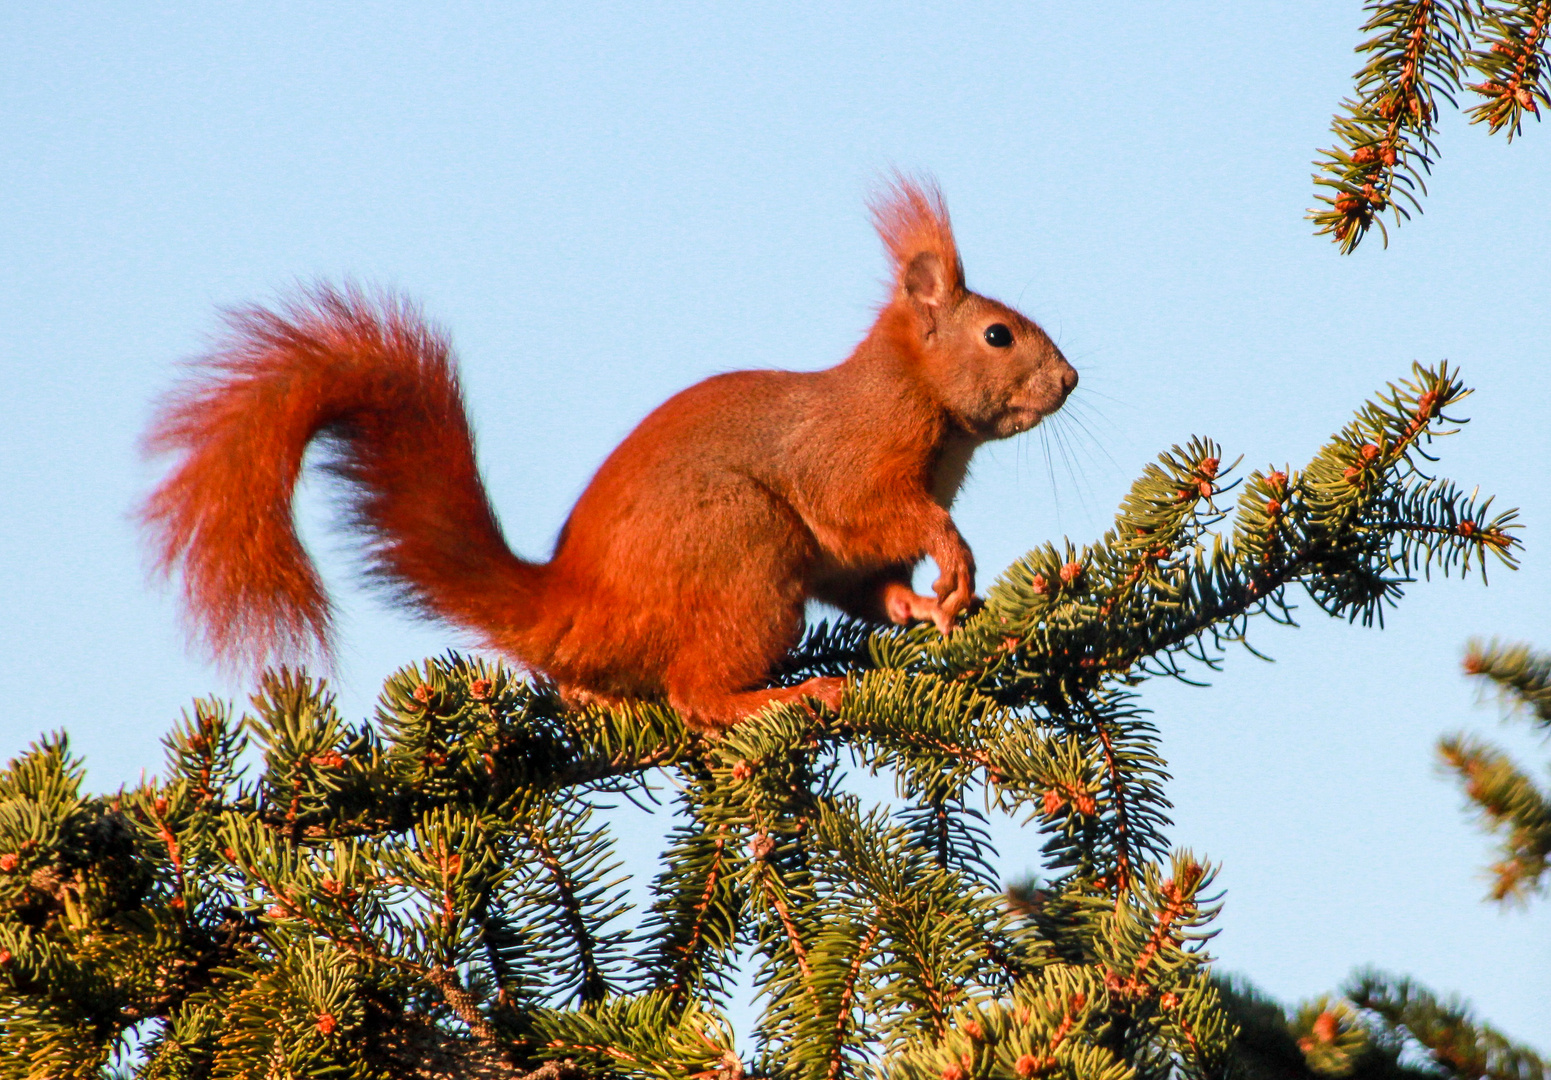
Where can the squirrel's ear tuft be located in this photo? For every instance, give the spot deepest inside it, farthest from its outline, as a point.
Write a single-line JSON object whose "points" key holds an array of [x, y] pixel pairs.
{"points": [[912, 219]]}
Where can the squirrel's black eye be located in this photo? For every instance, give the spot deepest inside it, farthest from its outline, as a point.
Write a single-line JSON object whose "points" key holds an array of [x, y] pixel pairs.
{"points": [[998, 336]]}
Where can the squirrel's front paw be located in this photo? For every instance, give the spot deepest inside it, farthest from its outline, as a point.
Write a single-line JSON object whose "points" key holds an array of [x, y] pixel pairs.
{"points": [[955, 590]]}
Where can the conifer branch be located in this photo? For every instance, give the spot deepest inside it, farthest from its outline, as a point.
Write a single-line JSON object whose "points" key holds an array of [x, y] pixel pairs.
{"points": [[680, 984], [463, 1004], [1455, 1041], [1510, 803], [694, 921], [848, 997], [1521, 676], [1421, 50], [1510, 56], [1122, 871], [794, 942]]}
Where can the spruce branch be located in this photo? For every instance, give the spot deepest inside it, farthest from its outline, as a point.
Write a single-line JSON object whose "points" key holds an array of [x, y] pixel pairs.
{"points": [[694, 927], [1511, 805], [568, 884], [1385, 133], [1445, 1030], [641, 1036], [1509, 802], [1521, 676], [1510, 57], [1419, 51], [1351, 528], [1379, 1027]]}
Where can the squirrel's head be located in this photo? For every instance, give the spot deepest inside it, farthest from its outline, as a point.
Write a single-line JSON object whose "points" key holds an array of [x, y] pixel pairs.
{"points": [[990, 367]]}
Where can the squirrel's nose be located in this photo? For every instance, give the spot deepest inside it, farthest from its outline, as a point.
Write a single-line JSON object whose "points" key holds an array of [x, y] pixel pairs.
{"points": [[1068, 380]]}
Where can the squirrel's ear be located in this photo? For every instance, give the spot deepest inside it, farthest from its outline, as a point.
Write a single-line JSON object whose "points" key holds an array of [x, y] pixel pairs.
{"points": [[925, 280], [913, 222]]}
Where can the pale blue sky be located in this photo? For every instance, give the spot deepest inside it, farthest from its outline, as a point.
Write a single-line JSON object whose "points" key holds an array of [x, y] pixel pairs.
{"points": [[607, 202]]}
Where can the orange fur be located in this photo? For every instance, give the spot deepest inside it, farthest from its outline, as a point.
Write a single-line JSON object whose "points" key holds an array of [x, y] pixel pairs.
{"points": [[912, 218], [685, 565]]}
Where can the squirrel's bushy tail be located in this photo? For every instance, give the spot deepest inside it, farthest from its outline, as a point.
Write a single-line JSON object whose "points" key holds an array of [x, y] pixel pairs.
{"points": [[371, 378]]}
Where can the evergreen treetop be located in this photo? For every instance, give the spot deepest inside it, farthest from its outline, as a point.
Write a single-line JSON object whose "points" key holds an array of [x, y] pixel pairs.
{"points": [[434, 892]]}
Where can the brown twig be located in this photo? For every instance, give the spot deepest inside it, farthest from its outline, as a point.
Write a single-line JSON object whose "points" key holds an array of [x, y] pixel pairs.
{"points": [[1122, 816], [680, 972], [462, 1002], [847, 994], [592, 984]]}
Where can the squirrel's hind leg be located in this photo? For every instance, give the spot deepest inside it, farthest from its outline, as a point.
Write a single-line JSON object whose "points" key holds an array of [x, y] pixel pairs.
{"points": [[712, 712], [581, 698], [707, 678]]}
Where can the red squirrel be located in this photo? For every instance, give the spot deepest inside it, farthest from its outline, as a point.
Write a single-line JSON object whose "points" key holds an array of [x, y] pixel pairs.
{"points": [[683, 570]]}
